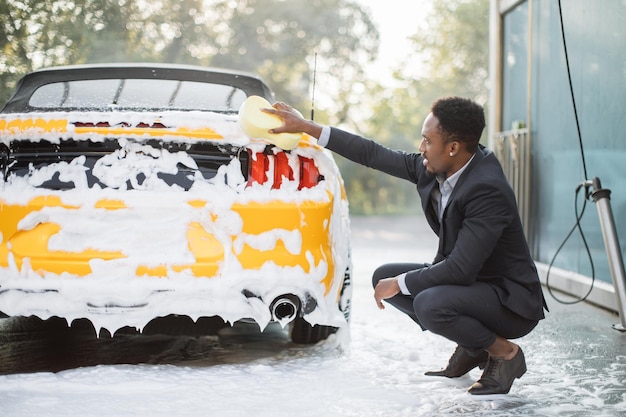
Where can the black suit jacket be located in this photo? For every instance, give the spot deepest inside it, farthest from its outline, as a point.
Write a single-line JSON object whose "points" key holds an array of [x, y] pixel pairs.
{"points": [[480, 237]]}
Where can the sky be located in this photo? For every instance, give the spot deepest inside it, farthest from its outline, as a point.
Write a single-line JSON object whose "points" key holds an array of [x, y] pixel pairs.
{"points": [[396, 21]]}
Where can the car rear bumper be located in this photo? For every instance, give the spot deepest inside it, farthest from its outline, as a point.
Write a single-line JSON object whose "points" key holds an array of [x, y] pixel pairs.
{"points": [[113, 303]]}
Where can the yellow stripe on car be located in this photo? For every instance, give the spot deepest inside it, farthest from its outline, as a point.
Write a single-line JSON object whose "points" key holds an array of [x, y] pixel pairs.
{"points": [[20, 125]]}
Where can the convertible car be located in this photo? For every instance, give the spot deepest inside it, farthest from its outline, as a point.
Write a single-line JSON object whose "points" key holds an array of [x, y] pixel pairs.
{"points": [[130, 192]]}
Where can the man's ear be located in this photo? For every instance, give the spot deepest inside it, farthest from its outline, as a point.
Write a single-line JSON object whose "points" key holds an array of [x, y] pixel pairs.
{"points": [[454, 147]]}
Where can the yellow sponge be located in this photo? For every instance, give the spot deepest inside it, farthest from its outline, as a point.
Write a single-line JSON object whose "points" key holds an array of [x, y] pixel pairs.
{"points": [[256, 124]]}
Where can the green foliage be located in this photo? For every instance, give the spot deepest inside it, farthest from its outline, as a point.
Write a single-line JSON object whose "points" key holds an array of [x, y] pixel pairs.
{"points": [[455, 46], [449, 57], [274, 38], [279, 40], [42, 33]]}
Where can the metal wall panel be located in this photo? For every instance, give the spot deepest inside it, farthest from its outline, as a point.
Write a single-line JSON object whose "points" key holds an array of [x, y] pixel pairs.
{"points": [[596, 42]]}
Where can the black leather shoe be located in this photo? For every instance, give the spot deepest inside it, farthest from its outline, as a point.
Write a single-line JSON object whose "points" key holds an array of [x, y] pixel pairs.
{"points": [[460, 363], [499, 375]]}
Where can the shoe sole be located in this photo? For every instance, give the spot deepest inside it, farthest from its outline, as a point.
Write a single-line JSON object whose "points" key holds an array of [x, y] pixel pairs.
{"points": [[518, 374]]}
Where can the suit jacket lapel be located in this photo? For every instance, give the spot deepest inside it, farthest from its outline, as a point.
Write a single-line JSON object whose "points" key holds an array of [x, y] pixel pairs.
{"points": [[427, 207], [479, 155]]}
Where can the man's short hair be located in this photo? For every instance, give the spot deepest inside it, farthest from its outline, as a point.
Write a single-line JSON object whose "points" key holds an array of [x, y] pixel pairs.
{"points": [[460, 119]]}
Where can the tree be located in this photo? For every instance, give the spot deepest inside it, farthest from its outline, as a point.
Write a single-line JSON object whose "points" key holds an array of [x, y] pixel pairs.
{"points": [[274, 38], [279, 39], [41, 33], [32, 33], [455, 47], [449, 57]]}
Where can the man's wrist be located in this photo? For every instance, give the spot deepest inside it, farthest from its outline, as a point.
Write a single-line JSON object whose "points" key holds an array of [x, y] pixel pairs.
{"points": [[401, 280], [324, 136]]}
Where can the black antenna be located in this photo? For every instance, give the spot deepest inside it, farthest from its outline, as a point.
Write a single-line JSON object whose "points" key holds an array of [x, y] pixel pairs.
{"points": [[313, 92]]}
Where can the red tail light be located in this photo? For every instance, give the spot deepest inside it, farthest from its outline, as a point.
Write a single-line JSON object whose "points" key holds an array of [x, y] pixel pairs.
{"points": [[309, 174], [279, 168], [91, 124], [155, 125], [258, 166]]}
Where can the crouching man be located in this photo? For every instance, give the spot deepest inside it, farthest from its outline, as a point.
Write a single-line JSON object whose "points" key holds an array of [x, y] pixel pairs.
{"points": [[482, 289]]}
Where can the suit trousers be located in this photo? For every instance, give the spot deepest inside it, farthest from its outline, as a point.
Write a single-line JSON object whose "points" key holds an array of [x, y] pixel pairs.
{"points": [[472, 315]]}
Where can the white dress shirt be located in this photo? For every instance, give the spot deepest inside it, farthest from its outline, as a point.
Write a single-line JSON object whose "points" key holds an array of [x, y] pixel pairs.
{"points": [[441, 196]]}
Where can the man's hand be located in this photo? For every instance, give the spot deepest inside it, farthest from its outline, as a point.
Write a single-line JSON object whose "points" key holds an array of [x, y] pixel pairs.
{"points": [[293, 122], [386, 288]]}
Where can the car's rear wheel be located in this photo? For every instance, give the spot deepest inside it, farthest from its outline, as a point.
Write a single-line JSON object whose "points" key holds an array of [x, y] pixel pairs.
{"points": [[304, 333]]}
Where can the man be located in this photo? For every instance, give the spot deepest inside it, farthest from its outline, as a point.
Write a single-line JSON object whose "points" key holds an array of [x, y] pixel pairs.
{"points": [[482, 288]]}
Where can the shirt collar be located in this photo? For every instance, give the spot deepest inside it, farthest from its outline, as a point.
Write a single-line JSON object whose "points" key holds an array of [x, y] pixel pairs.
{"points": [[454, 178]]}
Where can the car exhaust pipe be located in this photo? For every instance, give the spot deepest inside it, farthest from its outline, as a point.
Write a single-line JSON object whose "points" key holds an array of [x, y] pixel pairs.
{"points": [[285, 308]]}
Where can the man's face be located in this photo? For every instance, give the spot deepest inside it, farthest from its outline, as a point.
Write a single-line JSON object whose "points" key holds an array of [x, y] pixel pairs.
{"points": [[434, 149]]}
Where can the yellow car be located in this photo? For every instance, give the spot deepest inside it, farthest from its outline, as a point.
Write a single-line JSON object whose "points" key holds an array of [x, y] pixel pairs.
{"points": [[129, 192]]}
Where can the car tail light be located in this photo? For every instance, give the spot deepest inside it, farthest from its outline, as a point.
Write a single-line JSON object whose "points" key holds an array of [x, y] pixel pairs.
{"points": [[91, 124], [259, 165], [155, 125], [279, 168], [309, 174]]}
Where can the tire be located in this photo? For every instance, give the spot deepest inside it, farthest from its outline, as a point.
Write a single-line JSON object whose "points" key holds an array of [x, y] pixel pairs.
{"points": [[305, 334]]}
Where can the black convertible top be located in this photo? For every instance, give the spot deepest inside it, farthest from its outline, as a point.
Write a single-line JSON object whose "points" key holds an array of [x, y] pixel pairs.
{"points": [[21, 102]]}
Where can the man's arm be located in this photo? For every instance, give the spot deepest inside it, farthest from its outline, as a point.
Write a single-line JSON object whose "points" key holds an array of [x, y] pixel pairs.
{"points": [[356, 148]]}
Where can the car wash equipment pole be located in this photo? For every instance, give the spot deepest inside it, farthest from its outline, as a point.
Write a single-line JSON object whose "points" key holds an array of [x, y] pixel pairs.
{"points": [[602, 198]]}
